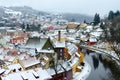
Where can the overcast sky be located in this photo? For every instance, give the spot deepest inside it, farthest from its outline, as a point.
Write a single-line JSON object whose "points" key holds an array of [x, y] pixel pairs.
{"points": [[89, 7]]}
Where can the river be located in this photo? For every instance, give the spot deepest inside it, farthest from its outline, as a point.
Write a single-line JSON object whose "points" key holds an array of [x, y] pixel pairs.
{"points": [[102, 67]]}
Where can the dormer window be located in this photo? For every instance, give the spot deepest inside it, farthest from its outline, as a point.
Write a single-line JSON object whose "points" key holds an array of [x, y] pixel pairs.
{"points": [[14, 70], [20, 69], [48, 48], [36, 51], [35, 75]]}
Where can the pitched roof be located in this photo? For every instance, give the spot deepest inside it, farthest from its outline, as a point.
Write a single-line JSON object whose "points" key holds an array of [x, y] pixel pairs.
{"points": [[72, 48], [2, 62], [30, 62], [29, 75], [36, 42], [41, 44]]}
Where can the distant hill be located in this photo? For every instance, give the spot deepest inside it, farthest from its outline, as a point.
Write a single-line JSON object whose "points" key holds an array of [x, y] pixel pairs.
{"points": [[77, 17], [22, 9], [28, 10]]}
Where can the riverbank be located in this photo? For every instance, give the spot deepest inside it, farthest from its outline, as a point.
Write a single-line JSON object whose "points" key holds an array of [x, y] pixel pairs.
{"points": [[101, 68]]}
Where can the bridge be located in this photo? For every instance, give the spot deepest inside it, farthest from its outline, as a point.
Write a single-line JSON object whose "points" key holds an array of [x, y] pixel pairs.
{"points": [[111, 54]]}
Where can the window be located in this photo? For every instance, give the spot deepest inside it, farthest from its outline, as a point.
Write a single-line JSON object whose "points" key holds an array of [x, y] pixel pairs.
{"points": [[61, 50]]}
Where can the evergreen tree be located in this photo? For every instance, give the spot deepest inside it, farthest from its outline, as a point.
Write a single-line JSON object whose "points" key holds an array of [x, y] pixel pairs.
{"points": [[115, 29], [111, 15], [23, 26], [39, 27], [112, 34], [72, 20], [115, 34], [96, 19], [117, 13], [28, 27], [85, 21], [102, 26]]}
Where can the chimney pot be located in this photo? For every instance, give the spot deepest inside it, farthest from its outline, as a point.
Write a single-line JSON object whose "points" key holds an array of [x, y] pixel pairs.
{"points": [[59, 35]]}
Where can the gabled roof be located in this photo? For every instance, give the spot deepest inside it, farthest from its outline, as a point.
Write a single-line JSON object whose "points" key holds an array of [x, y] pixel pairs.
{"points": [[36, 42], [48, 44], [41, 44], [14, 66], [72, 25]]}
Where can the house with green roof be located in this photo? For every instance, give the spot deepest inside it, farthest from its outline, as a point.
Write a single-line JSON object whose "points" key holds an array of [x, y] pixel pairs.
{"points": [[43, 50]]}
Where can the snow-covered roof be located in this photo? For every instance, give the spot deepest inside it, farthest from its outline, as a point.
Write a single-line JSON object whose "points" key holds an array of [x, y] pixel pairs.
{"points": [[10, 58], [60, 68], [71, 38], [76, 41], [51, 71], [11, 30], [92, 39], [96, 34], [35, 34], [10, 11], [99, 30], [2, 70], [66, 65], [30, 62], [45, 51], [14, 66], [29, 75], [31, 52], [73, 61], [6, 38], [72, 48], [59, 44], [43, 74], [89, 27], [35, 43]]}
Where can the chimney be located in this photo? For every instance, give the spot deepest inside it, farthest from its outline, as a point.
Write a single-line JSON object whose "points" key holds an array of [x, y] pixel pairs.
{"points": [[78, 48], [59, 35]]}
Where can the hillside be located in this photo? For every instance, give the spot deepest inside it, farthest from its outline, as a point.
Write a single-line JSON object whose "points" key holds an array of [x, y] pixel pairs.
{"points": [[77, 17], [32, 12], [28, 10]]}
